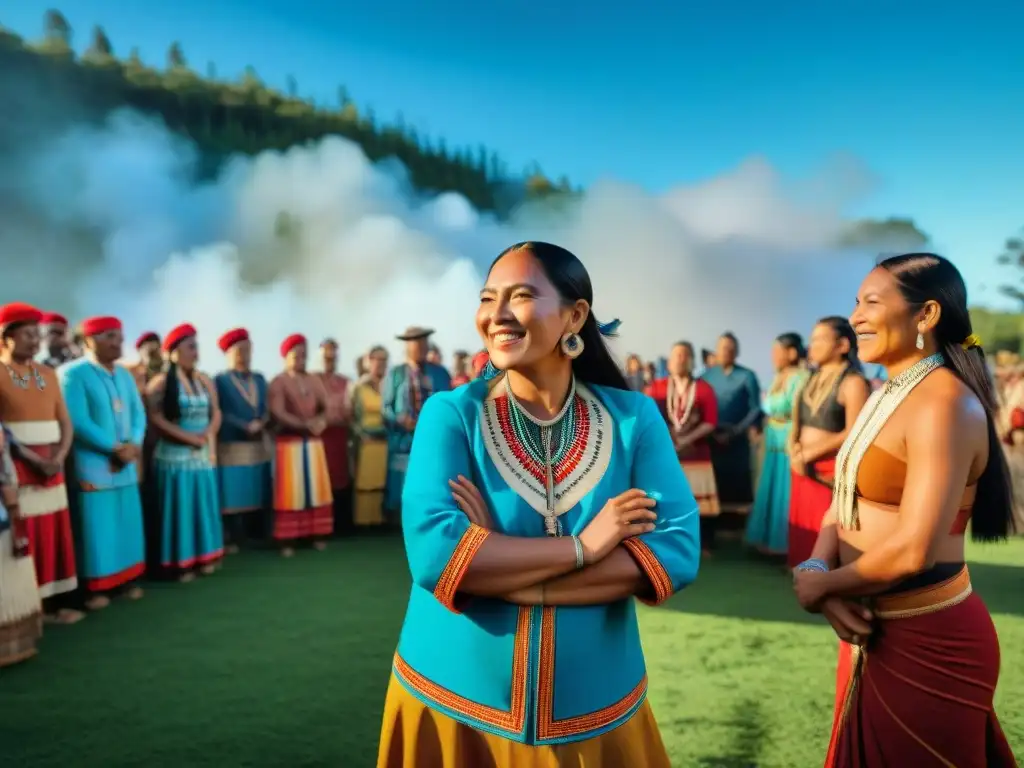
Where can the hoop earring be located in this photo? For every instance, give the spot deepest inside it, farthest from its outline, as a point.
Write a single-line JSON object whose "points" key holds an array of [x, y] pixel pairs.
{"points": [[920, 340], [572, 345]]}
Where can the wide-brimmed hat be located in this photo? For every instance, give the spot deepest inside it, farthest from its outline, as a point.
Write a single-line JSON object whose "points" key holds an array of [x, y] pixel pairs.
{"points": [[414, 333]]}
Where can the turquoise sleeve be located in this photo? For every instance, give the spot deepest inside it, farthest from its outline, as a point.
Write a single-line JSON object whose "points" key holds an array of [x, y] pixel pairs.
{"points": [[440, 541], [87, 432], [670, 554]]}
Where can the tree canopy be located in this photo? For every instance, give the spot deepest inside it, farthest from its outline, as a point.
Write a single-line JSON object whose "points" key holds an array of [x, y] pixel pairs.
{"points": [[246, 116]]}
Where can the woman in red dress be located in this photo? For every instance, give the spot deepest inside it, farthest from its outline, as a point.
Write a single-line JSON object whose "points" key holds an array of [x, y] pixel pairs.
{"points": [[336, 435], [691, 409]]}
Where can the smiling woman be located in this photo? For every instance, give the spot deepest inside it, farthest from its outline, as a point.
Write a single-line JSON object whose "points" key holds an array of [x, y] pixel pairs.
{"points": [[547, 485], [921, 464]]}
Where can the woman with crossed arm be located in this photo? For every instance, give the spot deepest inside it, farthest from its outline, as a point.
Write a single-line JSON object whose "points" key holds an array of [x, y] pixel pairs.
{"points": [[537, 504]]}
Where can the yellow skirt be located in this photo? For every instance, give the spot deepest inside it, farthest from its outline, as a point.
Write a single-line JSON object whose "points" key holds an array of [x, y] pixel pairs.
{"points": [[415, 736]]}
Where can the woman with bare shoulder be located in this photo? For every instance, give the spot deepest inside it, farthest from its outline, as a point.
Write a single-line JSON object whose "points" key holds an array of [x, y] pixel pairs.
{"points": [[922, 463]]}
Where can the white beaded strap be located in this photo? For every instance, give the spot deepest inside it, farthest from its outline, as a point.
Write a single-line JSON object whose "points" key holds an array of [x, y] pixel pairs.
{"points": [[873, 416]]}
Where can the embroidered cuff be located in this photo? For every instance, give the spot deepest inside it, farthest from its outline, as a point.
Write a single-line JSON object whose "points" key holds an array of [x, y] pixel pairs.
{"points": [[451, 576], [653, 569]]}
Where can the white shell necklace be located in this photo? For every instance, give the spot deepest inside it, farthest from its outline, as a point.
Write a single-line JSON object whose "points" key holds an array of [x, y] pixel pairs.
{"points": [[873, 416]]}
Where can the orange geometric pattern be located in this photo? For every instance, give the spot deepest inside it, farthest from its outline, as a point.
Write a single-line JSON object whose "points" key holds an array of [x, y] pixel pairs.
{"points": [[653, 569], [448, 583]]}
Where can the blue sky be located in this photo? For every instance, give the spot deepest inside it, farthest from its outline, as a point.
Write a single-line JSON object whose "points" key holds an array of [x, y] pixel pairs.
{"points": [[929, 95]]}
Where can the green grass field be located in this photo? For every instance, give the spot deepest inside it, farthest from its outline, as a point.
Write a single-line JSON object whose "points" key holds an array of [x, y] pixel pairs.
{"points": [[284, 663]]}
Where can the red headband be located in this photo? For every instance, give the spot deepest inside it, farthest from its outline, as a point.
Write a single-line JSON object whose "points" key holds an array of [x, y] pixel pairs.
{"points": [[232, 337], [53, 318], [94, 326], [291, 343], [19, 312], [145, 338], [178, 335]]}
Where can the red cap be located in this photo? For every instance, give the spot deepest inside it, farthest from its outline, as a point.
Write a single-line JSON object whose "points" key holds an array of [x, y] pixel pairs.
{"points": [[232, 337], [94, 326], [146, 337], [291, 343], [53, 318], [178, 335], [19, 312]]}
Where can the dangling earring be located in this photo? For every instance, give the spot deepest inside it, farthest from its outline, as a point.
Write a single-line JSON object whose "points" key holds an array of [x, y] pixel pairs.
{"points": [[489, 371], [920, 340], [572, 345]]}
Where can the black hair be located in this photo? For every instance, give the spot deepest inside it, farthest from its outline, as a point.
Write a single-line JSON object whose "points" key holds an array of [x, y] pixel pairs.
{"points": [[706, 355], [923, 277], [11, 328], [171, 406], [795, 342], [843, 330], [595, 365], [687, 345], [735, 342]]}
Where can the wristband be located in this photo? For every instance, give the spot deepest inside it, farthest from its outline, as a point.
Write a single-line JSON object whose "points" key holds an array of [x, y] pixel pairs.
{"points": [[580, 554], [814, 564]]}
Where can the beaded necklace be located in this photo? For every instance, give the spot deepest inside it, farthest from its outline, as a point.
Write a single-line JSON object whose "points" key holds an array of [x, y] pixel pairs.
{"points": [[546, 441], [21, 381], [873, 416]]}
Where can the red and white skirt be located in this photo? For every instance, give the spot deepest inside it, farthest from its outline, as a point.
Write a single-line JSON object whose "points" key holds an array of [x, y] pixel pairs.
{"points": [[43, 502]]}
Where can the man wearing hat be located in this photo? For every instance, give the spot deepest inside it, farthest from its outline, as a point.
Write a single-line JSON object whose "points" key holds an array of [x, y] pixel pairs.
{"points": [[33, 411], [243, 447], [406, 388], [110, 425]]}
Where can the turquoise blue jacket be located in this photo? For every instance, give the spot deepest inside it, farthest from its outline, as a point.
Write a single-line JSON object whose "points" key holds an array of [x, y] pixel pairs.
{"points": [[537, 675], [106, 410]]}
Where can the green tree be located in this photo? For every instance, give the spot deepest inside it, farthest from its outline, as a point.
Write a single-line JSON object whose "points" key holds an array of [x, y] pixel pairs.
{"points": [[1013, 256], [343, 97], [100, 46], [211, 71], [56, 29], [176, 57], [883, 234], [292, 87]]}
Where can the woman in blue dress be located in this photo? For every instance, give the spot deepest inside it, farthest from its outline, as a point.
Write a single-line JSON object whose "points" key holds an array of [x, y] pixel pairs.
{"points": [[768, 525], [538, 503], [182, 407]]}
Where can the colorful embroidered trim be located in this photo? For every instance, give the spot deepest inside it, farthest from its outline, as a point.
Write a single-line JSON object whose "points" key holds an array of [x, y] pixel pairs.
{"points": [[654, 570], [451, 576], [549, 728], [513, 721]]}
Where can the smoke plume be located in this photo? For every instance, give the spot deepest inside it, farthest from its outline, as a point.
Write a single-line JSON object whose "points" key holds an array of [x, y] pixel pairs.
{"points": [[318, 240]]}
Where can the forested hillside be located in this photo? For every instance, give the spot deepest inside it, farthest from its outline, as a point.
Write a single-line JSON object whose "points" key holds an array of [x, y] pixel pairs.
{"points": [[226, 115]]}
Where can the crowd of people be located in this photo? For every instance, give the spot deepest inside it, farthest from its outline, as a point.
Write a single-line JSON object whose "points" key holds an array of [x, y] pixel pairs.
{"points": [[113, 471], [116, 470]]}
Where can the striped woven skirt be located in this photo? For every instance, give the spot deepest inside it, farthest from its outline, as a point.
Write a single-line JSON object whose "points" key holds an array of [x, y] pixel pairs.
{"points": [[302, 489]]}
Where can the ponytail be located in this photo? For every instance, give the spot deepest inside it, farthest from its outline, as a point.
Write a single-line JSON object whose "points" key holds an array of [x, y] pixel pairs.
{"points": [[924, 277], [992, 518], [171, 405]]}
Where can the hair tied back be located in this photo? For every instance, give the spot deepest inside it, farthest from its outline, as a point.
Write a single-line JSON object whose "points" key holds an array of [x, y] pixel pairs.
{"points": [[972, 342]]}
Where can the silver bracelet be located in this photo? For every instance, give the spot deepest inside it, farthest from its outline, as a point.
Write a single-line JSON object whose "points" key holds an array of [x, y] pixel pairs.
{"points": [[580, 559], [814, 564]]}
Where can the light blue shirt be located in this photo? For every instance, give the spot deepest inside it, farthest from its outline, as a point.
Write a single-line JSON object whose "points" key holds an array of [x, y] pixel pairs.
{"points": [[106, 410]]}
